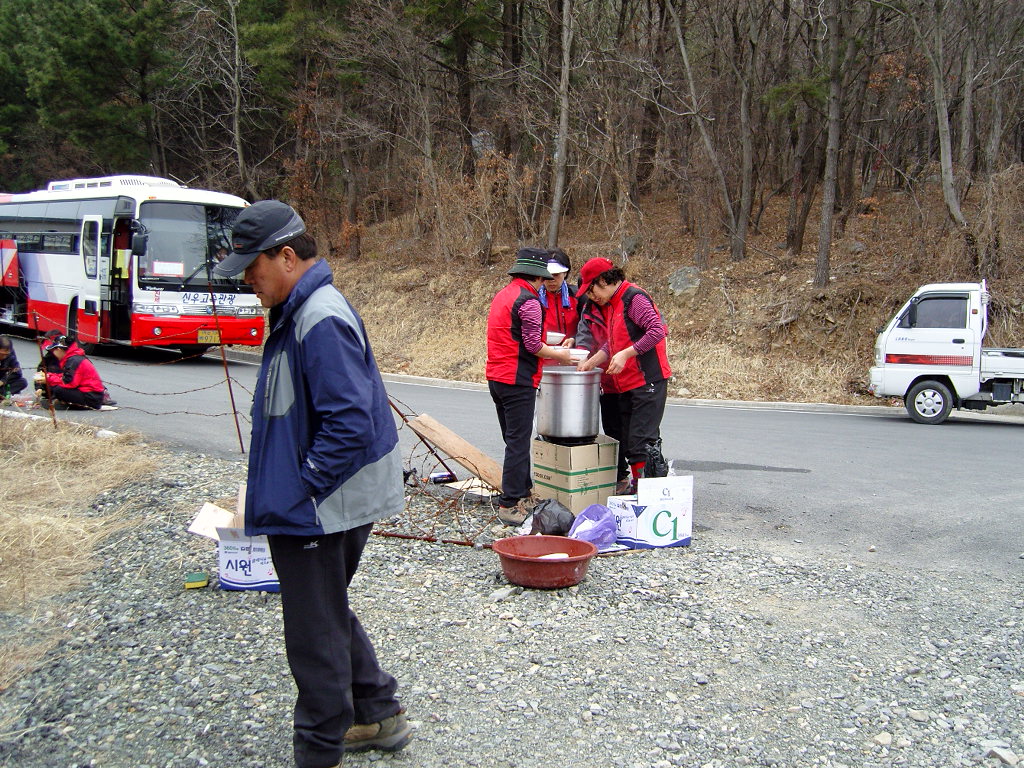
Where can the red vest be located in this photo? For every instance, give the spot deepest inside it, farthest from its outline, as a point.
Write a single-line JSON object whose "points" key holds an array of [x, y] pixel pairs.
{"points": [[507, 358], [651, 366], [559, 318]]}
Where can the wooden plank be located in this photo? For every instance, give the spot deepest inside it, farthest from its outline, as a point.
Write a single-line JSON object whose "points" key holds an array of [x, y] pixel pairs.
{"points": [[460, 451]]}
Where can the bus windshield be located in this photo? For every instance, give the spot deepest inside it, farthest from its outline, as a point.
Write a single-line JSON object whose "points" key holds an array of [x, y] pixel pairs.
{"points": [[185, 241]]}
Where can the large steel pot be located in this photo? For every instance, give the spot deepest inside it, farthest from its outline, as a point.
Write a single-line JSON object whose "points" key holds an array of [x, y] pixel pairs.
{"points": [[569, 404]]}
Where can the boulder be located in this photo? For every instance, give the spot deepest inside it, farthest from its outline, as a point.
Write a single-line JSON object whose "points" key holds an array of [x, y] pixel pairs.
{"points": [[684, 281]]}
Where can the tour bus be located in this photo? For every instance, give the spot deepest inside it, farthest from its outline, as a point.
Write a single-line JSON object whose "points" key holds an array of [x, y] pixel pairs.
{"points": [[125, 260]]}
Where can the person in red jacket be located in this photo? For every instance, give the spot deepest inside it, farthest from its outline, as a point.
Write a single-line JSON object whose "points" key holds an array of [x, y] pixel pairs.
{"points": [[77, 383], [515, 346], [633, 354], [559, 300]]}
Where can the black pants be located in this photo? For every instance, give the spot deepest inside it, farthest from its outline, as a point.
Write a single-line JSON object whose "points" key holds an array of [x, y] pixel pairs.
{"points": [[77, 397], [634, 419], [14, 385], [333, 662], [611, 423], [515, 405]]}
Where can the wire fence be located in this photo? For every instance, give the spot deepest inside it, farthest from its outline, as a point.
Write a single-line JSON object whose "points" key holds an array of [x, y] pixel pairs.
{"points": [[463, 512]]}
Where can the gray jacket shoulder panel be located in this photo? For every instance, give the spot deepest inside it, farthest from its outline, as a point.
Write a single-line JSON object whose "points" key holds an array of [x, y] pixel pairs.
{"points": [[325, 302]]}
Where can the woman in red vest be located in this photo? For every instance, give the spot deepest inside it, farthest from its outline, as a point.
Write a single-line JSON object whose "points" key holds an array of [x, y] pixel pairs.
{"points": [[633, 354], [515, 346], [559, 300]]}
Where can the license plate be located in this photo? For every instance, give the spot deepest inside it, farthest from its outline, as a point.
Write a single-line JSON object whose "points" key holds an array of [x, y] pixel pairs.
{"points": [[209, 337]]}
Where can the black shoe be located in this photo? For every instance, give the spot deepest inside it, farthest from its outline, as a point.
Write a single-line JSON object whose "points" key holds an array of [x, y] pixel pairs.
{"points": [[625, 487]]}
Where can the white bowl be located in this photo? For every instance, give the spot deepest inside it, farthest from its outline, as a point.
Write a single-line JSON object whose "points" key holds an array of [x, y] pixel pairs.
{"points": [[578, 354], [554, 337]]}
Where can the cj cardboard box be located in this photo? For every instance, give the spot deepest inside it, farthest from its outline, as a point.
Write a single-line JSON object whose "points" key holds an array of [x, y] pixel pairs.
{"points": [[660, 514], [244, 561], [575, 475]]}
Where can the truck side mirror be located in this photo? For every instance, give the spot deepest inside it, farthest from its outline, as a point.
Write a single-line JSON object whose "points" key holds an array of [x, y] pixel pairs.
{"points": [[139, 243], [912, 314]]}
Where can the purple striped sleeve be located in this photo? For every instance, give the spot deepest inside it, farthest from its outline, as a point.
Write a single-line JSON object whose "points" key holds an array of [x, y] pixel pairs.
{"points": [[531, 317], [643, 313]]}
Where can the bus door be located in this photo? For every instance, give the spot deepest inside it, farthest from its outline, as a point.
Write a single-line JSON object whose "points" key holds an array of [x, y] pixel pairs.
{"points": [[87, 321]]}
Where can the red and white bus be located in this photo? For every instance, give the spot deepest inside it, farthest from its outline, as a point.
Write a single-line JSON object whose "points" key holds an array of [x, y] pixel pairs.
{"points": [[125, 260]]}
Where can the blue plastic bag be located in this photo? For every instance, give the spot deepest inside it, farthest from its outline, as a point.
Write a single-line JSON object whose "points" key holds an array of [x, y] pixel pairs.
{"points": [[595, 524]]}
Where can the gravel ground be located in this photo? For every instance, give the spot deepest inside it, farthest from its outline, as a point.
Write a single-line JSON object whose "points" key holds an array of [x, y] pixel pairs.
{"points": [[720, 654]]}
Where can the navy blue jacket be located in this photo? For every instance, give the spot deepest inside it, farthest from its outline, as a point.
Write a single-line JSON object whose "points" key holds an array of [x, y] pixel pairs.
{"points": [[324, 453], [11, 379]]}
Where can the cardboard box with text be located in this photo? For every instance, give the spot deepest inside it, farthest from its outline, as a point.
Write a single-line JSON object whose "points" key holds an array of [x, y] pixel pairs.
{"points": [[660, 514], [575, 475], [244, 562]]}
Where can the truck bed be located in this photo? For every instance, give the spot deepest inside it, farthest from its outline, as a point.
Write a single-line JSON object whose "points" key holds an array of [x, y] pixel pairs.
{"points": [[1002, 363]]}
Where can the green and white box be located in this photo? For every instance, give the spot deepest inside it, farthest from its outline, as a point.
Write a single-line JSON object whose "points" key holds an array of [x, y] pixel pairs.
{"points": [[575, 475]]}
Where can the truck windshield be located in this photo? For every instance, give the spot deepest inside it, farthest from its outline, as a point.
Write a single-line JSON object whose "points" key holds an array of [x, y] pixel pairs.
{"points": [[185, 241]]}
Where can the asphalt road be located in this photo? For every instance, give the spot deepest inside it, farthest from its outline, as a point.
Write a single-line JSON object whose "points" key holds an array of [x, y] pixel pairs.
{"points": [[865, 482]]}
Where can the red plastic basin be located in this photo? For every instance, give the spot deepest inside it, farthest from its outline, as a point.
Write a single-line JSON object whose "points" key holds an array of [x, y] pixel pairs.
{"points": [[519, 556]]}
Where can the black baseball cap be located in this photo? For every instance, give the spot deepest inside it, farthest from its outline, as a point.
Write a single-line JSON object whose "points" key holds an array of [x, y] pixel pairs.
{"points": [[532, 262], [56, 342], [259, 228]]}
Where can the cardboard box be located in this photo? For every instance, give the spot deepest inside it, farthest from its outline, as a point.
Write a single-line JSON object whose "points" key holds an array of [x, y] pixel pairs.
{"points": [[244, 561], [660, 514], [575, 475]]}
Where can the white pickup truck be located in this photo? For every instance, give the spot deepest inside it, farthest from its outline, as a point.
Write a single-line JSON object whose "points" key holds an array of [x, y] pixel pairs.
{"points": [[930, 354]]}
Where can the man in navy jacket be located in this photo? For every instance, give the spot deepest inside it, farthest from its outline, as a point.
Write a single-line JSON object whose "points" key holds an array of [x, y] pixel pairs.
{"points": [[324, 465]]}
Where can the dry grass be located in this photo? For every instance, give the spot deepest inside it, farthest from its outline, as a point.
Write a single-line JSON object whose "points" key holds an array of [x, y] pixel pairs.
{"points": [[47, 536], [718, 371]]}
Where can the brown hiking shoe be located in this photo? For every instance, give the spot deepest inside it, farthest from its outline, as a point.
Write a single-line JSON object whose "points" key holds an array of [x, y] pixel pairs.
{"points": [[515, 516], [389, 735]]}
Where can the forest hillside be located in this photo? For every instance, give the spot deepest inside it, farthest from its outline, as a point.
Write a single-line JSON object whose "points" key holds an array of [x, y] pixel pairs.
{"points": [[755, 329], [809, 161]]}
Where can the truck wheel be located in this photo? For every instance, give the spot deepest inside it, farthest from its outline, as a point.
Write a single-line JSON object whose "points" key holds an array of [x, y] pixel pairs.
{"points": [[929, 402]]}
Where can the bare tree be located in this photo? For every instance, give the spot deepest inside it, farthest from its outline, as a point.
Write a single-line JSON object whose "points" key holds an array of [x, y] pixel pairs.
{"points": [[835, 31], [737, 245], [213, 101], [932, 41], [562, 138]]}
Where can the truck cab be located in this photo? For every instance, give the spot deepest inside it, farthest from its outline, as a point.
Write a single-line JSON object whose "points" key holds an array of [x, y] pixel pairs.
{"points": [[931, 355]]}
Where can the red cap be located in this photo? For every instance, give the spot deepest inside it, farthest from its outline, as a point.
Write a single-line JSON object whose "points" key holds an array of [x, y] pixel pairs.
{"points": [[594, 267]]}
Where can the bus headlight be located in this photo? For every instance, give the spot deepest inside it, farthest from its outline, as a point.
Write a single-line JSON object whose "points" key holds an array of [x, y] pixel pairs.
{"points": [[252, 331]]}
